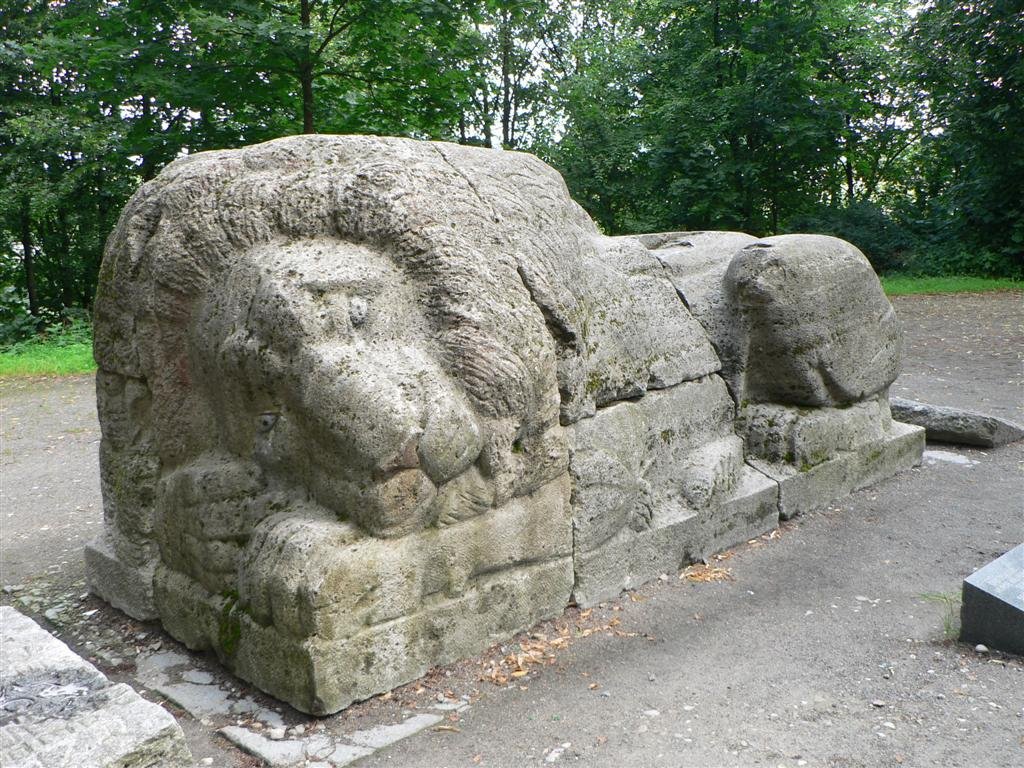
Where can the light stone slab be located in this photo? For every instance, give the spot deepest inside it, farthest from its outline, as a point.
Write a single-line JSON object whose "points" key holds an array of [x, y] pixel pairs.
{"points": [[202, 700], [59, 711], [383, 735], [277, 753]]}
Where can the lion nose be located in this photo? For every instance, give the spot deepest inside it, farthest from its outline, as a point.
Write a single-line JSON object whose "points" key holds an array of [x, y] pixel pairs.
{"points": [[452, 438], [407, 456]]}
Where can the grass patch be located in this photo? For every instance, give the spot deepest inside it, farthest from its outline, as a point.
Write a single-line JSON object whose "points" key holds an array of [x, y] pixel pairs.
{"points": [[904, 285], [44, 359], [950, 606]]}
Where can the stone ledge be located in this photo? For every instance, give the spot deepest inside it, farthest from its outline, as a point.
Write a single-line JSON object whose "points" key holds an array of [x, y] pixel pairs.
{"points": [[806, 489], [59, 711], [992, 611]]}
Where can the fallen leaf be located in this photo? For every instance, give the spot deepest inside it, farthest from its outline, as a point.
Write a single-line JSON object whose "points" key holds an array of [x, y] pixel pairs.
{"points": [[705, 573]]}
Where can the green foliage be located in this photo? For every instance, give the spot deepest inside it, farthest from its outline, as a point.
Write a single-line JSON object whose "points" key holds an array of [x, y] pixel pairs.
{"points": [[893, 124], [971, 178], [886, 241], [62, 348], [16, 324]]}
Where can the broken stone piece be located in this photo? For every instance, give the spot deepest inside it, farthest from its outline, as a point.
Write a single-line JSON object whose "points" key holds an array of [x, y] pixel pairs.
{"points": [[946, 424]]}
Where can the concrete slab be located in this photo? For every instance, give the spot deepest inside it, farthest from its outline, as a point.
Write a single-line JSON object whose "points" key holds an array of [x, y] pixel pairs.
{"points": [[384, 735], [59, 711]]}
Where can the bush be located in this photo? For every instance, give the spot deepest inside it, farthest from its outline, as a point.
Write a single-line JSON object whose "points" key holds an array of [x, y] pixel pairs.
{"points": [[16, 324], [73, 329], [886, 241], [958, 259]]}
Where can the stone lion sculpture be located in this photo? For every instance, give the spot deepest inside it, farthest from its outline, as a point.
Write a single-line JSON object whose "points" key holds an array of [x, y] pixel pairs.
{"points": [[369, 405]]}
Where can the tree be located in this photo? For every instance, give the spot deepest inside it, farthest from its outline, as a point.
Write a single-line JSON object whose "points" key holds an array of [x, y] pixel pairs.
{"points": [[969, 58]]}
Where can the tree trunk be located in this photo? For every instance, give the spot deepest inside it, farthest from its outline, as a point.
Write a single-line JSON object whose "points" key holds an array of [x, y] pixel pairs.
{"points": [[67, 276], [306, 73], [27, 257], [506, 79], [148, 163], [306, 79]]}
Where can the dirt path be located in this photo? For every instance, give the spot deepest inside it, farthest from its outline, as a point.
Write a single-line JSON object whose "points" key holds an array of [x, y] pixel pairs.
{"points": [[964, 351]]}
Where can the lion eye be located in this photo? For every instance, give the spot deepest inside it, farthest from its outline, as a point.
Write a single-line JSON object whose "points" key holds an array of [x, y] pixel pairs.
{"points": [[267, 421], [357, 310]]}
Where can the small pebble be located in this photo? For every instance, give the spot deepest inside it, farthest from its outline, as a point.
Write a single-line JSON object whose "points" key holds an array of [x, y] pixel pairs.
{"points": [[207, 761], [980, 648], [276, 733], [298, 730], [877, 703]]}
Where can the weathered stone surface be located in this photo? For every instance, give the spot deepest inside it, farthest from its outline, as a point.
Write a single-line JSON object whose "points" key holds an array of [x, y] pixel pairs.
{"points": [[992, 610], [665, 456], [370, 405], [696, 263], [806, 437], [817, 328], [806, 488], [59, 711], [945, 424], [124, 587], [632, 558], [358, 615]]}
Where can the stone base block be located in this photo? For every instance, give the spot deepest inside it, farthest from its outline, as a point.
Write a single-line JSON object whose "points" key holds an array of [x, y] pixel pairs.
{"points": [[803, 489], [127, 589], [632, 558], [323, 675], [59, 711], [332, 616]]}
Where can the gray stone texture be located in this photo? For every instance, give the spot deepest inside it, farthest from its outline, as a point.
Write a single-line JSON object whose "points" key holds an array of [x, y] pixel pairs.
{"points": [[371, 405], [818, 329], [992, 610], [945, 424], [59, 711]]}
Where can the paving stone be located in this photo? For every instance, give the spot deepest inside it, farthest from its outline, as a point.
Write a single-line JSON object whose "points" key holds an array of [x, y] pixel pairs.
{"points": [[204, 700], [59, 711], [383, 735], [315, 750], [273, 753]]}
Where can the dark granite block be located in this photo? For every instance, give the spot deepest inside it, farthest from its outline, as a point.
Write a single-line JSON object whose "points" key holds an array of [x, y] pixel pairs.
{"points": [[993, 604]]}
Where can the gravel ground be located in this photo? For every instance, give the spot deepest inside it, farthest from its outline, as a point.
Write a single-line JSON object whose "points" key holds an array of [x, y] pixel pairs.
{"points": [[828, 645]]}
